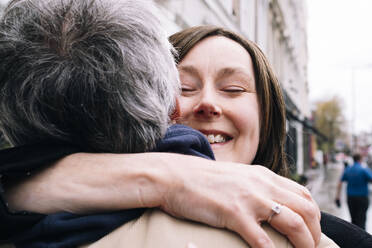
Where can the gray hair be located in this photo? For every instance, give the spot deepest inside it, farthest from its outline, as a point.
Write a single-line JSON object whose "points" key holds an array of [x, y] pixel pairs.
{"points": [[97, 73]]}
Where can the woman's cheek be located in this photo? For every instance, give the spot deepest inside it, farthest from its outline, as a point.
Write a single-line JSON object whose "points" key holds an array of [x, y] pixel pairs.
{"points": [[185, 106], [246, 118]]}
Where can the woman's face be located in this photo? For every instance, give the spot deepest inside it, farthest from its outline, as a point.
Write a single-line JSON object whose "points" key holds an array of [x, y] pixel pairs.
{"points": [[219, 98]]}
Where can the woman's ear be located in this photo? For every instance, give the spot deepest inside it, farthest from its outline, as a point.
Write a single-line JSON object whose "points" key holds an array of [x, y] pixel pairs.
{"points": [[176, 113]]}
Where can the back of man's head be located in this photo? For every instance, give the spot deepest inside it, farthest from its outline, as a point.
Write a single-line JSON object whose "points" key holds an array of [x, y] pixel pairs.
{"points": [[98, 73], [357, 157]]}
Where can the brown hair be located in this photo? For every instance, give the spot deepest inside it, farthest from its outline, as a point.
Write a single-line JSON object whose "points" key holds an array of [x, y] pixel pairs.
{"points": [[270, 151]]}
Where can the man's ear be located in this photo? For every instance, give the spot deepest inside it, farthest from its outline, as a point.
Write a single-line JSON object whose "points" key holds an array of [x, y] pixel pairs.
{"points": [[176, 113]]}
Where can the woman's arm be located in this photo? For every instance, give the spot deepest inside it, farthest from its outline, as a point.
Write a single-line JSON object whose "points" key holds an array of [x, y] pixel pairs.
{"points": [[220, 194]]}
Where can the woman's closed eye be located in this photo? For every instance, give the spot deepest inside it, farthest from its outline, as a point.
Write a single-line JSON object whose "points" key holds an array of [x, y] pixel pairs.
{"points": [[187, 89], [234, 89]]}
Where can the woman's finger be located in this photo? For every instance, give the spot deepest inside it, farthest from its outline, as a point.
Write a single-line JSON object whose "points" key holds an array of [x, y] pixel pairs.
{"points": [[251, 231], [293, 226], [294, 187], [306, 209]]}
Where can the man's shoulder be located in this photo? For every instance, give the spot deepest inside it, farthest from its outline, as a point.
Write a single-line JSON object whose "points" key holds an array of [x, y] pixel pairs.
{"points": [[368, 171]]}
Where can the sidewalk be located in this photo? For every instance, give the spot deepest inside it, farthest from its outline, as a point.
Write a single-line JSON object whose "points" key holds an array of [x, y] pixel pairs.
{"points": [[323, 186]]}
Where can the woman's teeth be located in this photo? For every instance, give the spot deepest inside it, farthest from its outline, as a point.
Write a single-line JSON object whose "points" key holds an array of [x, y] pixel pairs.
{"points": [[215, 138]]}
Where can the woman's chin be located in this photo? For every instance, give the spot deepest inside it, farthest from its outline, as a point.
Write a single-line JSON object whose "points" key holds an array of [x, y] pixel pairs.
{"points": [[223, 155]]}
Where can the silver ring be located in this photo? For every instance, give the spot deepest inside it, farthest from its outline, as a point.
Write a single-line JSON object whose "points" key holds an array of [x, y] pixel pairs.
{"points": [[276, 209]]}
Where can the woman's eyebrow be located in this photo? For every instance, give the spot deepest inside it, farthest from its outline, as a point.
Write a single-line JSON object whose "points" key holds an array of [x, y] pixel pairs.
{"points": [[228, 71], [189, 69]]}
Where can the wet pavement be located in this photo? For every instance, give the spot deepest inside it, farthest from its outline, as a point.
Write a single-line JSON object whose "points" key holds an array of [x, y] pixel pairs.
{"points": [[323, 186]]}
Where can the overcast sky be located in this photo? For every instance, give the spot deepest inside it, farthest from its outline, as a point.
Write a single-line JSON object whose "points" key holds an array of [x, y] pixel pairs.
{"points": [[340, 38]]}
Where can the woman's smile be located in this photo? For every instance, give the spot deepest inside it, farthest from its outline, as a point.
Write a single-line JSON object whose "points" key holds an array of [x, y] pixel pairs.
{"points": [[215, 137]]}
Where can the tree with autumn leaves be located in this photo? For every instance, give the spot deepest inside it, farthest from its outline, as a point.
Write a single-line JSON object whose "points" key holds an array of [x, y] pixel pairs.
{"points": [[330, 121]]}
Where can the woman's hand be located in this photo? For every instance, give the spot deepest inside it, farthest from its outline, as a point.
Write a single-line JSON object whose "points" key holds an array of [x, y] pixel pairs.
{"points": [[240, 198], [221, 194]]}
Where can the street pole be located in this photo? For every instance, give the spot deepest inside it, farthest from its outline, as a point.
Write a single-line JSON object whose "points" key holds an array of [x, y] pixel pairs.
{"points": [[353, 110]]}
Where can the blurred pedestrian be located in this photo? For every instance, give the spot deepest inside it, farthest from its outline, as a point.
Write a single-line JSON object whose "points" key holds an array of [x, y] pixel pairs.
{"points": [[357, 178]]}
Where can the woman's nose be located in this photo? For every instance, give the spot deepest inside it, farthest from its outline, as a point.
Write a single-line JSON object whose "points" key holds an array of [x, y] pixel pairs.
{"points": [[207, 107]]}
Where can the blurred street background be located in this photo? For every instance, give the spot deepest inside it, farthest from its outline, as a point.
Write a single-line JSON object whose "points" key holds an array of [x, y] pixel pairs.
{"points": [[321, 51]]}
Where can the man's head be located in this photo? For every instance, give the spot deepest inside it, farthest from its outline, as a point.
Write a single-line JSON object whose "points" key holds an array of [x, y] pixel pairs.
{"points": [[99, 73], [357, 157]]}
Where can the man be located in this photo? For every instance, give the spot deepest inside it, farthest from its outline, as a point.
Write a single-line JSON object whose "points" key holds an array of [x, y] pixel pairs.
{"points": [[87, 76], [357, 178]]}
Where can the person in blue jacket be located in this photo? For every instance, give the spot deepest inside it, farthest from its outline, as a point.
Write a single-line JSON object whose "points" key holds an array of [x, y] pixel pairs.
{"points": [[357, 178]]}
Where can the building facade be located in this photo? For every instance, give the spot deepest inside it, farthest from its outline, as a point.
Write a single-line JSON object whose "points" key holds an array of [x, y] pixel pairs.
{"points": [[2, 5]]}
